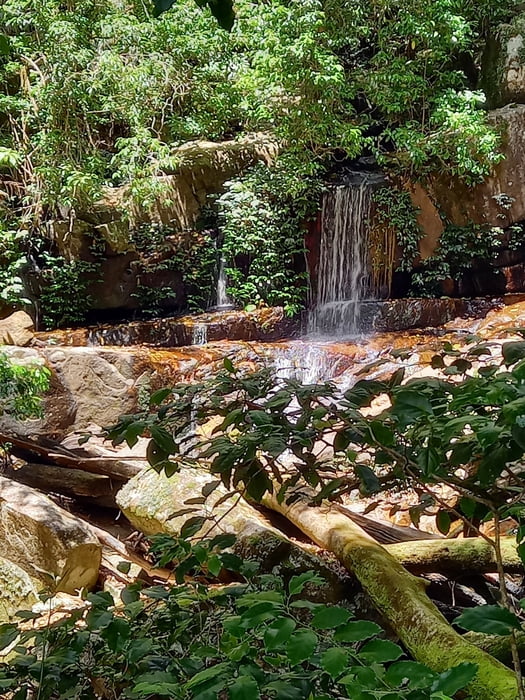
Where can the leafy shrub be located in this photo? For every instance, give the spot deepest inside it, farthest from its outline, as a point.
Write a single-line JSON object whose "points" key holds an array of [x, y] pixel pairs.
{"points": [[261, 637], [262, 218], [21, 387]]}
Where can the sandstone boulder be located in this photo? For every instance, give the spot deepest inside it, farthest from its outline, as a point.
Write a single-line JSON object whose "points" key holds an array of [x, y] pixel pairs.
{"points": [[51, 545], [150, 501], [17, 329]]}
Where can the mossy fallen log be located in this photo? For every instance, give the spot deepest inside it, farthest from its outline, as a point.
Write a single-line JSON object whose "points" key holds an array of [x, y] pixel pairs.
{"points": [[400, 597], [473, 555], [498, 645]]}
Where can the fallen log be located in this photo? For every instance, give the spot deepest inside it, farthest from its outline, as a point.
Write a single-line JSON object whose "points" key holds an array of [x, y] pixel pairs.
{"points": [[384, 532], [400, 597], [93, 489], [114, 467], [497, 645], [471, 555]]}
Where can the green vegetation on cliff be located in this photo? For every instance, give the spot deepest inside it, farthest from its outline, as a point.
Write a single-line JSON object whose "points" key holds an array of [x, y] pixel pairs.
{"points": [[96, 94]]}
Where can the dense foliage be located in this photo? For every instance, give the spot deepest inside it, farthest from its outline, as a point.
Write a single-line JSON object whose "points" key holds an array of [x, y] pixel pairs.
{"points": [[96, 95], [263, 637], [21, 388]]}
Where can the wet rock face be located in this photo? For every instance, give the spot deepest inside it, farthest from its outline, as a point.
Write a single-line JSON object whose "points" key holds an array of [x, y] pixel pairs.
{"points": [[101, 234], [265, 325], [52, 546]]}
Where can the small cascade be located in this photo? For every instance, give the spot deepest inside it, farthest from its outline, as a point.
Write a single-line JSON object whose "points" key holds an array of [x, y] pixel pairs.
{"points": [[200, 334], [223, 301], [343, 279]]}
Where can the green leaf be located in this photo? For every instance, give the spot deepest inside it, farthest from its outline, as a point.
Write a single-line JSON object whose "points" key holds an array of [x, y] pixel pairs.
{"points": [[381, 651], [159, 396], [210, 487], [334, 661], [415, 674], [278, 632], [301, 646], [244, 688], [297, 583], [443, 521], [222, 669], [369, 482], [489, 619], [330, 616], [8, 634], [214, 565], [228, 365], [192, 526], [512, 352], [357, 631], [281, 690], [454, 679]]}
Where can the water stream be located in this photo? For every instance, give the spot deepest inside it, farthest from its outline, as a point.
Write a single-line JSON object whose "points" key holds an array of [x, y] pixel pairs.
{"points": [[343, 272]]}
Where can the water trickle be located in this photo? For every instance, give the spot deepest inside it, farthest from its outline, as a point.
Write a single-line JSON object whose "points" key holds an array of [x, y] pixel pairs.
{"points": [[200, 334], [222, 294], [343, 272]]}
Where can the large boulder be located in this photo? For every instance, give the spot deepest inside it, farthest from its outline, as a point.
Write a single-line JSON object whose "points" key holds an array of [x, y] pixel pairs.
{"points": [[51, 545], [152, 502], [500, 199], [503, 72], [17, 329]]}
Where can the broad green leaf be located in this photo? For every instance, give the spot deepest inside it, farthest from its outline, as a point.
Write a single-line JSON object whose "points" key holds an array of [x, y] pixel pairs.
{"points": [[357, 631], [301, 646], [278, 632], [8, 634], [381, 651], [228, 365], [512, 352], [370, 484], [330, 616], [222, 669], [192, 526], [157, 397], [454, 679], [416, 675], [281, 690], [334, 661], [443, 521], [489, 619], [244, 688], [297, 583]]}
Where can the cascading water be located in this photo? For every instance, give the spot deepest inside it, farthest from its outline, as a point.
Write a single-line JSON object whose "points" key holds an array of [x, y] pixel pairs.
{"points": [[343, 271], [222, 295]]}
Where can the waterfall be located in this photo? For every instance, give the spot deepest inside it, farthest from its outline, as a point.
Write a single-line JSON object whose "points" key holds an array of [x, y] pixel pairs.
{"points": [[343, 271], [222, 295]]}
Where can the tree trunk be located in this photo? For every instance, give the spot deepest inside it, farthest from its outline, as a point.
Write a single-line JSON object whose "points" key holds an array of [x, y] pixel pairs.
{"points": [[400, 597], [472, 555]]}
